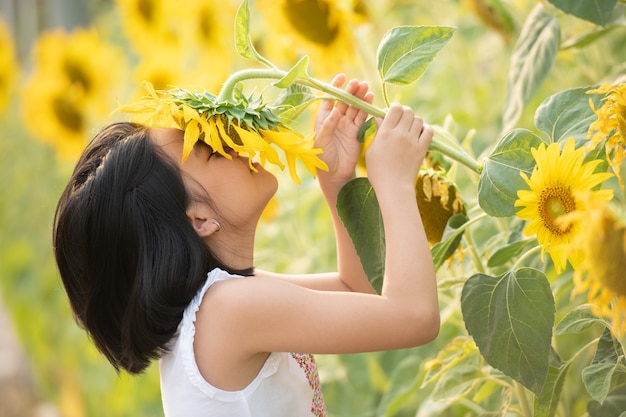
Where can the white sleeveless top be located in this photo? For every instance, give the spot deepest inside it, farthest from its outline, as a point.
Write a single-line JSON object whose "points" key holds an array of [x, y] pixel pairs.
{"points": [[287, 385]]}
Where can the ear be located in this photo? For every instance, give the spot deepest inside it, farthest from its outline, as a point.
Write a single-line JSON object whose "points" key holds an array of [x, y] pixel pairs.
{"points": [[203, 223]]}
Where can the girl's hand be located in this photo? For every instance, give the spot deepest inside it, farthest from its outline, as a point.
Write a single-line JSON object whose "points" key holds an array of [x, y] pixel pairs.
{"points": [[336, 127], [397, 152]]}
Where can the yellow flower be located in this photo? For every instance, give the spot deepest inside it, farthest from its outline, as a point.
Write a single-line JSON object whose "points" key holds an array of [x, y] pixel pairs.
{"points": [[321, 29], [70, 89], [611, 125], [247, 127], [8, 65], [147, 23], [602, 244], [61, 118], [555, 184], [438, 199]]}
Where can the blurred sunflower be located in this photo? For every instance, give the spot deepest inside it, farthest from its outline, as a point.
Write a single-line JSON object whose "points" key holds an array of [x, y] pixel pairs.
{"points": [[248, 127], [61, 116], [162, 68], [8, 65], [611, 125], [321, 29], [555, 184], [148, 23], [602, 244], [208, 32], [71, 87]]}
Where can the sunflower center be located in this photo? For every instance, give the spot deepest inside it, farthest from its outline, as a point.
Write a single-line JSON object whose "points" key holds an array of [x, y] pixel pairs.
{"points": [[67, 114], [312, 19], [554, 202], [146, 10], [77, 75], [205, 27]]}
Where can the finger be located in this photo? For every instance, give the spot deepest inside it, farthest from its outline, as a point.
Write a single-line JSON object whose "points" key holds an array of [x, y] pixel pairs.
{"points": [[426, 135], [328, 128], [351, 88], [406, 119], [394, 114], [360, 92], [417, 126], [362, 115], [337, 81]]}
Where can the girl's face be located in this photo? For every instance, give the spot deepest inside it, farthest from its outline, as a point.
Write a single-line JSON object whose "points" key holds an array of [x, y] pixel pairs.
{"points": [[239, 193]]}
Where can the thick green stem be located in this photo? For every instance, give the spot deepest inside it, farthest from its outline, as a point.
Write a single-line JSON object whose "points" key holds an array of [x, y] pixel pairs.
{"points": [[440, 143]]}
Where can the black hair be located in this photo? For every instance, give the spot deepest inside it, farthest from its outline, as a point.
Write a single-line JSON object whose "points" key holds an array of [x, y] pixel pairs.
{"points": [[129, 258]]}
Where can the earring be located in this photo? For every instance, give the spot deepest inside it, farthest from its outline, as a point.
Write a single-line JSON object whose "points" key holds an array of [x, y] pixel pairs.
{"points": [[217, 224]]}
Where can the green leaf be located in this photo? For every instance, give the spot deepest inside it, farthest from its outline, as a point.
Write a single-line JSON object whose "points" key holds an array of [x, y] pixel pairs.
{"points": [[567, 114], [577, 320], [359, 211], [598, 375], [292, 102], [450, 240], [509, 252], [613, 406], [594, 11], [547, 402], [243, 43], [297, 72], [511, 317], [405, 52], [500, 178], [533, 57], [368, 128]]}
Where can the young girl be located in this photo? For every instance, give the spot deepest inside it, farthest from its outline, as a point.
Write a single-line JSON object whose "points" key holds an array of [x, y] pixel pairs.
{"points": [[157, 260]]}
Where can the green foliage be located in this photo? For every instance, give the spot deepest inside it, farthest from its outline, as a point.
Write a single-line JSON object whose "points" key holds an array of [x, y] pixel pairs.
{"points": [[511, 319], [358, 208], [595, 11], [405, 52], [500, 178], [531, 62]]}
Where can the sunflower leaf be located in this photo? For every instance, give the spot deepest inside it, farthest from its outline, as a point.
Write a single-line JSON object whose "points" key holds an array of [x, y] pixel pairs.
{"points": [[405, 52], [500, 178], [577, 320], [298, 71], [359, 211], [594, 11], [547, 402], [532, 60], [598, 375], [450, 241], [567, 114], [510, 318], [243, 43]]}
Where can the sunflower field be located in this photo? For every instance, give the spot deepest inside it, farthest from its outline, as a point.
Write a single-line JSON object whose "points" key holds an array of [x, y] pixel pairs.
{"points": [[522, 192]]}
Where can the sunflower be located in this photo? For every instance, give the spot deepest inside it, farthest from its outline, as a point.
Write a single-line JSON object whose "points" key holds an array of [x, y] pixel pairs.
{"points": [[8, 65], [148, 23], [68, 90], [438, 199], [248, 127], [321, 29], [611, 125], [602, 244], [61, 117], [555, 184]]}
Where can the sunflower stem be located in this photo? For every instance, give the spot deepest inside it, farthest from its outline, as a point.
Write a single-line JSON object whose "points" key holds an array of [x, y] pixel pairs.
{"points": [[441, 142], [524, 256]]}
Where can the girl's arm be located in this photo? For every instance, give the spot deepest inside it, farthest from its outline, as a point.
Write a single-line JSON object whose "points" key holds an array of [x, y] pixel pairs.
{"points": [[337, 125], [265, 314]]}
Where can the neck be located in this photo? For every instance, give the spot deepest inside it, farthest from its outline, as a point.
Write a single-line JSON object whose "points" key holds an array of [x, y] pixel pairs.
{"points": [[234, 248]]}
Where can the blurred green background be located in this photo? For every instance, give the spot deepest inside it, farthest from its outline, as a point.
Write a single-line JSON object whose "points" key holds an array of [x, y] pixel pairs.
{"points": [[47, 365]]}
